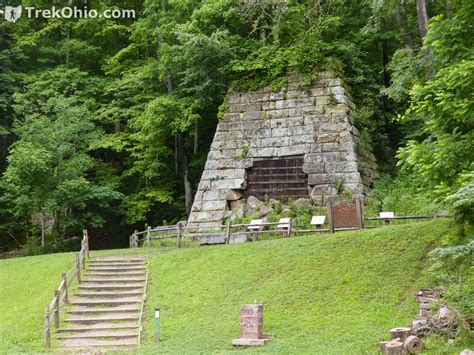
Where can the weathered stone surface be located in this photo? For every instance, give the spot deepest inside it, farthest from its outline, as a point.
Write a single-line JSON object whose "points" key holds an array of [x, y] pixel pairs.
{"points": [[302, 203], [314, 122], [254, 204]]}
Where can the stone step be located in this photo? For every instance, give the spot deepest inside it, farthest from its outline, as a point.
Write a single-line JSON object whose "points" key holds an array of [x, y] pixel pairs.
{"points": [[115, 302], [117, 280], [108, 287], [116, 265], [121, 317], [100, 334], [103, 310], [109, 294], [80, 327], [118, 274], [87, 343], [117, 260], [115, 269]]}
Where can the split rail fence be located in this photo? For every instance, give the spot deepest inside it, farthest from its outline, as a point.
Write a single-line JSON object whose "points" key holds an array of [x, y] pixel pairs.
{"points": [[231, 232], [61, 295], [180, 231]]}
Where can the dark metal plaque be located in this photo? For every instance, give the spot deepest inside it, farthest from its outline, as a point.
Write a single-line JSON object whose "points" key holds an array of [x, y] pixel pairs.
{"points": [[345, 215]]}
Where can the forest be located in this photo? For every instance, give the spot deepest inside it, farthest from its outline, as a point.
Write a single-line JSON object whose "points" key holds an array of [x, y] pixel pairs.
{"points": [[106, 123]]}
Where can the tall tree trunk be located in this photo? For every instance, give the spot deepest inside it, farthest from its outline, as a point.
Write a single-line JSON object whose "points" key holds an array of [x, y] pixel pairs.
{"points": [[422, 17], [42, 229], [401, 25], [180, 149], [188, 193], [196, 137]]}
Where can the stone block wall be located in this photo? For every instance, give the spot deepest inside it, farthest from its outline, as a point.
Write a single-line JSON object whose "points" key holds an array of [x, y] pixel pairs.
{"points": [[314, 122]]}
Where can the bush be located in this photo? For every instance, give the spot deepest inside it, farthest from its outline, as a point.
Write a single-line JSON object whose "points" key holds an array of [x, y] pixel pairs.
{"points": [[463, 199], [403, 195], [452, 268], [33, 247]]}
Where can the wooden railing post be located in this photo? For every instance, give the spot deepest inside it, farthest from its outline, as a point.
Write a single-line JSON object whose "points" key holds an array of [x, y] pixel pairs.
{"points": [[178, 235], [227, 232], [78, 269], [56, 309], [83, 255], [66, 296], [148, 236], [47, 331], [330, 217], [290, 227], [359, 213], [86, 239], [135, 238]]}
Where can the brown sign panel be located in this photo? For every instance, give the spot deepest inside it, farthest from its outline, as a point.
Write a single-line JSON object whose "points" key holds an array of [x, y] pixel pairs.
{"points": [[345, 215]]}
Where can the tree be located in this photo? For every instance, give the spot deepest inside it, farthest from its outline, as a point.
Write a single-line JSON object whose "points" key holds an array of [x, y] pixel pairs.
{"points": [[51, 181], [442, 107]]}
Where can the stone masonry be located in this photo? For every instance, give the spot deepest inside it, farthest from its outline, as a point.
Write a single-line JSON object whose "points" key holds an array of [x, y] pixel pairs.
{"points": [[314, 123]]}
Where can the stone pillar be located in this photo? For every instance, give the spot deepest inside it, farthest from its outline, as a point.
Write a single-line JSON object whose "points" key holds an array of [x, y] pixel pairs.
{"points": [[251, 321]]}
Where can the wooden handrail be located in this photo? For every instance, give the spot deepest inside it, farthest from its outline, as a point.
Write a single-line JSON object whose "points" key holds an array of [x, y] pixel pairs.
{"points": [[142, 308], [61, 295]]}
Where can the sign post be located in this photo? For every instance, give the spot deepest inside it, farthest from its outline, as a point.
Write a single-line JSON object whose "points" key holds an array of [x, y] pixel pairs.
{"points": [[157, 324]]}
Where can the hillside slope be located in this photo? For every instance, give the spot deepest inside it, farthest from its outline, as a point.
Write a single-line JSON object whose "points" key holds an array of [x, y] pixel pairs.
{"points": [[322, 293]]}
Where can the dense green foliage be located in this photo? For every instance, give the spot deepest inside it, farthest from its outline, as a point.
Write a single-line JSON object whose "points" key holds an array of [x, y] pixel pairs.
{"points": [[323, 294], [107, 122]]}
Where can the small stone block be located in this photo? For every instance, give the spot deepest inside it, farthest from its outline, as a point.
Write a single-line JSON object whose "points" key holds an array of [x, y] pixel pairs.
{"points": [[252, 342]]}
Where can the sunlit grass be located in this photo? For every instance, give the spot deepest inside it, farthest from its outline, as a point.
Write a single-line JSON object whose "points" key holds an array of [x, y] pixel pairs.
{"points": [[323, 294]]}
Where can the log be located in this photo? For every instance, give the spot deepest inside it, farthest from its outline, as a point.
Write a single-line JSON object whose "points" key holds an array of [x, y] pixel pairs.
{"points": [[401, 333], [382, 345], [394, 348], [413, 345]]}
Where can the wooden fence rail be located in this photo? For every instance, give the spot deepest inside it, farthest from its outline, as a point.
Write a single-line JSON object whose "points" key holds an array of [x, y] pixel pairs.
{"points": [[61, 295], [180, 230]]}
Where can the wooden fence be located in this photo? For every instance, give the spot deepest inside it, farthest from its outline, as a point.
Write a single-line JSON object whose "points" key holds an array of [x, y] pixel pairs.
{"points": [[61, 294], [180, 231], [232, 231]]}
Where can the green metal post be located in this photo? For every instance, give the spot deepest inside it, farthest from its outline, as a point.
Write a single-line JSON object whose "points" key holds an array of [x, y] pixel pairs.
{"points": [[157, 324]]}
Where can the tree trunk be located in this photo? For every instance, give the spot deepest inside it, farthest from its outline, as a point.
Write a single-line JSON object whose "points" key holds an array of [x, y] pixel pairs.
{"points": [[413, 345], [42, 229], [196, 137], [180, 149], [401, 333], [188, 194], [394, 348], [422, 18]]}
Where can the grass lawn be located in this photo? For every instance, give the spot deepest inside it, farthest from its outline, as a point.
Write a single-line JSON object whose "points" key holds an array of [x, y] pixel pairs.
{"points": [[323, 294]]}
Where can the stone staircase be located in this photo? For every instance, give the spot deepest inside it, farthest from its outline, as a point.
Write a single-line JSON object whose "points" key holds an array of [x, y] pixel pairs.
{"points": [[106, 311], [277, 178]]}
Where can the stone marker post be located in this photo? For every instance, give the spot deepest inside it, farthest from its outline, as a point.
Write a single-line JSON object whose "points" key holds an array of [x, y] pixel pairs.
{"points": [[251, 326], [251, 321]]}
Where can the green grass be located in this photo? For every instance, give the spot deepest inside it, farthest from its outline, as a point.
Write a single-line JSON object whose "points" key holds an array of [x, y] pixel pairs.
{"points": [[323, 294]]}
